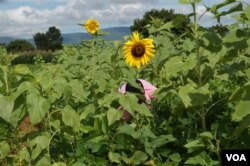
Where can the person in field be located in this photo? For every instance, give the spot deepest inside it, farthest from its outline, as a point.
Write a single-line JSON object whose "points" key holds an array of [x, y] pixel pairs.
{"points": [[148, 89]]}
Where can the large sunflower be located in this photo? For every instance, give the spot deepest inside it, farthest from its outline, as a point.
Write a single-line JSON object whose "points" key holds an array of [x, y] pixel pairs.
{"points": [[138, 52], [91, 26]]}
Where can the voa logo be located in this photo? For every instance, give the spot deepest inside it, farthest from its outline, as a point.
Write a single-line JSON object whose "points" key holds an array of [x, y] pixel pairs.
{"points": [[236, 157]]}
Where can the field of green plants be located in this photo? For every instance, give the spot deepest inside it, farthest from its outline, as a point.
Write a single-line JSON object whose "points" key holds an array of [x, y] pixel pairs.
{"points": [[66, 112]]}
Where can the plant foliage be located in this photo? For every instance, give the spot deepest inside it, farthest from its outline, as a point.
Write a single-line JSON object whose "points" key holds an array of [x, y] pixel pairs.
{"points": [[67, 112]]}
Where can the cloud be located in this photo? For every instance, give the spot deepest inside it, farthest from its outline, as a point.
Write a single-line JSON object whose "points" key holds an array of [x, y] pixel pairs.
{"points": [[27, 20], [32, 18], [1, 1]]}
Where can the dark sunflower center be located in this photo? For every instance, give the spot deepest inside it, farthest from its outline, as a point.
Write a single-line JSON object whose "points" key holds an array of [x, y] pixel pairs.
{"points": [[138, 50]]}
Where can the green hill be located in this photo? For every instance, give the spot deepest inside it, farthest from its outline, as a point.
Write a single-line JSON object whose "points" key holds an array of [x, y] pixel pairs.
{"points": [[114, 33]]}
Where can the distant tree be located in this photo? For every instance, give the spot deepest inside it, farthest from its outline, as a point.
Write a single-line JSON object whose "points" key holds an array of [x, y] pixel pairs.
{"points": [[180, 21], [41, 40], [51, 40], [19, 45], [220, 29], [55, 38]]}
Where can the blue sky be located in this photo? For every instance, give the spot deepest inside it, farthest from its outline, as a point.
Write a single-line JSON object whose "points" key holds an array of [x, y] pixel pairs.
{"points": [[24, 18]]}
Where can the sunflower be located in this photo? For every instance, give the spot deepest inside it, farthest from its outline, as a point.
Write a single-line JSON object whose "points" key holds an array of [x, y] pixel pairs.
{"points": [[138, 52], [91, 26]]}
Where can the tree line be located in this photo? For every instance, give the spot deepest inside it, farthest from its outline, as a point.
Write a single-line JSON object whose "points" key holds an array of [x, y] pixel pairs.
{"points": [[52, 39]]}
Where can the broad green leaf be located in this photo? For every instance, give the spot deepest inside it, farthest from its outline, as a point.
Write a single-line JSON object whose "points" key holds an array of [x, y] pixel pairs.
{"points": [[44, 160], [189, 1], [138, 157], [166, 26], [46, 81], [128, 129], [114, 157], [233, 9], [24, 155], [242, 110], [174, 65], [247, 12], [201, 159], [37, 106], [22, 69], [206, 135], [162, 140], [6, 107], [145, 132], [194, 144], [114, 115], [192, 96], [175, 157], [59, 164], [41, 141], [77, 90], [220, 5], [190, 63], [71, 118], [129, 102], [89, 109], [244, 124], [39, 144], [143, 110], [4, 149]]}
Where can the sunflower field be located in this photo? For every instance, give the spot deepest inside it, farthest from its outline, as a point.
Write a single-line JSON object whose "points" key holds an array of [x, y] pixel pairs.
{"points": [[66, 112]]}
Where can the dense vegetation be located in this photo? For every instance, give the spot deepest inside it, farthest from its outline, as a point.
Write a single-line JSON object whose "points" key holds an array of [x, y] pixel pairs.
{"points": [[65, 112]]}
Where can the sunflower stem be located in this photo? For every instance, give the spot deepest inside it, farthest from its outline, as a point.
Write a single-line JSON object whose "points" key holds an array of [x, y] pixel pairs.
{"points": [[93, 45], [196, 35]]}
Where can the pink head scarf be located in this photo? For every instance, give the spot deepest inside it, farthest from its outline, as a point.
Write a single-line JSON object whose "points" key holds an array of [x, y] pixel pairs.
{"points": [[148, 89], [148, 94]]}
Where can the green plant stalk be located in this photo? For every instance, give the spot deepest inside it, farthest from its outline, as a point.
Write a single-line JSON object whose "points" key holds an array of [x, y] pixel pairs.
{"points": [[202, 110], [93, 46], [5, 77]]}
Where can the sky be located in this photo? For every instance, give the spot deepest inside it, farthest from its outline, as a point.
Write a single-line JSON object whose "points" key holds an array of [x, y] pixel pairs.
{"points": [[24, 18]]}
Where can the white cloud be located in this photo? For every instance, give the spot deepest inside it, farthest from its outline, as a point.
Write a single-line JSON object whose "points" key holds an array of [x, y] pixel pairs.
{"points": [[66, 14]]}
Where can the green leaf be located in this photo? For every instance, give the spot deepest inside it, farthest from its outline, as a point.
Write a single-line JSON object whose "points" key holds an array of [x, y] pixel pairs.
{"points": [[6, 107], [175, 157], [138, 157], [189, 1], [242, 110], [71, 118], [129, 102], [77, 90], [24, 155], [244, 124], [128, 129], [59, 164], [247, 12], [192, 96], [162, 140], [89, 109], [22, 69], [201, 159], [114, 157], [220, 5], [143, 110], [38, 145], [145, 132], [194, 144], [190, 63], [37, 106], [233, 9], [114, 115], [206, 135], [4, 149], [174, 65]]}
